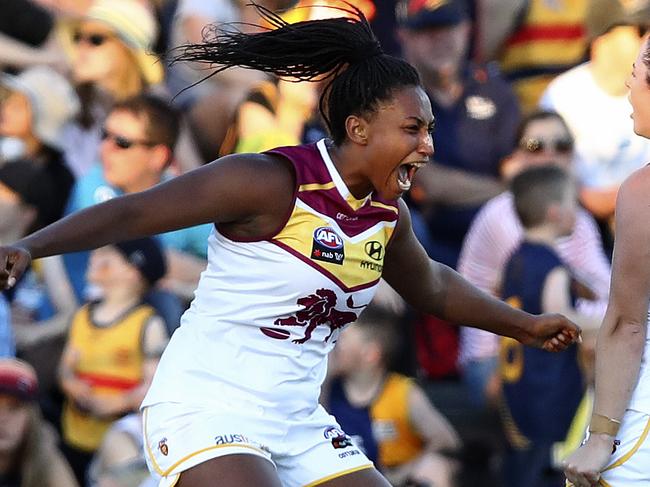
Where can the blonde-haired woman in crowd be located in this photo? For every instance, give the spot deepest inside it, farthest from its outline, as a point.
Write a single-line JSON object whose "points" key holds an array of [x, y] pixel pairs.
{"points": [[110, 50]]}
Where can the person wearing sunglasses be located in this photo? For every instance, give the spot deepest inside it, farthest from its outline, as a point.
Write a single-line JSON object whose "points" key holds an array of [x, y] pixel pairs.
{"points": [[542, 136], [137, 143], [544, 139], [110, 51]]}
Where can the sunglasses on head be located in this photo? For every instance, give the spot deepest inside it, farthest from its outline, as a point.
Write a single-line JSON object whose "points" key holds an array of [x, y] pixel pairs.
{"points": [[536, 146], [122, 142], [95, 40]]}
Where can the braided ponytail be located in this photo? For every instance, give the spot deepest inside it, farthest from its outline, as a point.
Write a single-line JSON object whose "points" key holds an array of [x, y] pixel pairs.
{"points": [[342, 51]]}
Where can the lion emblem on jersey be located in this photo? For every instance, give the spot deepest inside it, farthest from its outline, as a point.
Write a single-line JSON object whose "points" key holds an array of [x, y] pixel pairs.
{"points": [[319, 309]]}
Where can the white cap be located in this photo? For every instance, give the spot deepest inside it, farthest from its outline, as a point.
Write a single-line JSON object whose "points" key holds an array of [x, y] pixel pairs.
{"points": [[53, 100]]}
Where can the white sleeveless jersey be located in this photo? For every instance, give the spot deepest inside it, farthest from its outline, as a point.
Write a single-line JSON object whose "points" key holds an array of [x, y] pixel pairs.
{"points": [[641, 396], [267, 312]]}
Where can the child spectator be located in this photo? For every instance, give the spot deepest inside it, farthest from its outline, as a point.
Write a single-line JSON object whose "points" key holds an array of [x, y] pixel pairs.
{"points": [[541, 393], [113, 347], [388, 414], [543, 139], [28, 453]]}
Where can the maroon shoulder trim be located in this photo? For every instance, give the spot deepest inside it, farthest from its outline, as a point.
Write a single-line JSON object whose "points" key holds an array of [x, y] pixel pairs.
{"points": [[309, 165]]}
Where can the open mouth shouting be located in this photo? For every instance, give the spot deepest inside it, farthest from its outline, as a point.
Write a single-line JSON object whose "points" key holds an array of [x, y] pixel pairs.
{"points": [[405, 173]]}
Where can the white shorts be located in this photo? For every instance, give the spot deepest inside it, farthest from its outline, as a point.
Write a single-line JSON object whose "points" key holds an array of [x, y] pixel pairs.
{"points": [[630, 463], [305, 452]]}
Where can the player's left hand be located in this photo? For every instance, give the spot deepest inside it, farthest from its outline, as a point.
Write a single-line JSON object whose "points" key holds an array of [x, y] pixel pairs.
{"points": [[552, 332], [583, 467]]}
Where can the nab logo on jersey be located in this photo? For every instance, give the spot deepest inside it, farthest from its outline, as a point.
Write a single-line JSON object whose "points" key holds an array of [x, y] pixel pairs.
{"points": [[328, 246]]}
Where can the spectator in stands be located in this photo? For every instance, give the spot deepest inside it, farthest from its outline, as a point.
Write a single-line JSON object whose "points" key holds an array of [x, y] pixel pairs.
{"points": [[39, 105], [113, 347], [28, 453], [36, 185], [388, 414], [139, 137], [27, 36], [541, 392], [605, 153], [476, 116], [215, 107], [495, 233], [533, 41], [110, 50]]}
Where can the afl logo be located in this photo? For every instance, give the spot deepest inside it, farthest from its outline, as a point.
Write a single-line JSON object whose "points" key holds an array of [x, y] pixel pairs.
{"points": [[374, 250], [328, 238]]}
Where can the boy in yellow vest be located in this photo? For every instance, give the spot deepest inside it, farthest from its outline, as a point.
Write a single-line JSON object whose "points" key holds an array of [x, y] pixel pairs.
{"points": [[113, 347], [387, 414]]}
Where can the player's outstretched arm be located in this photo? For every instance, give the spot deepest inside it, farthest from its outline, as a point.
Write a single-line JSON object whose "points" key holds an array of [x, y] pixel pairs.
{"points": [[251, 193], [436, 289]]}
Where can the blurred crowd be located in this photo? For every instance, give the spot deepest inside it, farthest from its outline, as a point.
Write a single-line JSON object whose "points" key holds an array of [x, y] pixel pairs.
{"points": [[532, 139]]}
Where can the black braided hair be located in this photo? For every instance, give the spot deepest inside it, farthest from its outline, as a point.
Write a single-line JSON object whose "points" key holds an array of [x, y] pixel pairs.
{"points": [[343, 51]]}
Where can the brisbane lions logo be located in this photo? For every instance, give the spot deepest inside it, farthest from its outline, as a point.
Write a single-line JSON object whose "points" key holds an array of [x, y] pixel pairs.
{"points": [[319, 310]]}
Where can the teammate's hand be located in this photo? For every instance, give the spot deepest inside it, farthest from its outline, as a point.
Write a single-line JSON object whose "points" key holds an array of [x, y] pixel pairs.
{"points": [[583, 467], [13, 262], [552, 332]]}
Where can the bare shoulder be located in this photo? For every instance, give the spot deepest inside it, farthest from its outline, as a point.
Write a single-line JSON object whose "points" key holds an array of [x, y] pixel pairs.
{"points": [[632, 212], [634, 194], [253, 192], [257, 171]]}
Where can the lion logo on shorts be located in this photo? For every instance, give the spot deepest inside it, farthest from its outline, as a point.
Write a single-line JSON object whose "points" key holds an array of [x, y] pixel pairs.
{"points": [[318, 310]]}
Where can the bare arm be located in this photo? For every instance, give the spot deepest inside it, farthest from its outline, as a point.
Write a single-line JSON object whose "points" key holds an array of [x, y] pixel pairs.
{"points": [[622, 336], [434, 288], [155, 340], [183, 273], [600, 202], [75, 389], [442, 184], [20, 55], [219, 192], [437, 432], [556, 298]]}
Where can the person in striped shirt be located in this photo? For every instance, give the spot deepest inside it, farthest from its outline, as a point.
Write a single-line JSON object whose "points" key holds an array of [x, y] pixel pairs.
{"points": [[496, 231]]}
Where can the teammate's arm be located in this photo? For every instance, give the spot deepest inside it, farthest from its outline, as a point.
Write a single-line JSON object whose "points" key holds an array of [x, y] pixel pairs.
{"points": [[434, 288], [622, 335], [248, 194]]}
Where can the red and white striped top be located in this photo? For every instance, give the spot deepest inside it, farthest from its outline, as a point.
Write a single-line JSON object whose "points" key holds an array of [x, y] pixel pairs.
{"points": [[494, 235]]}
